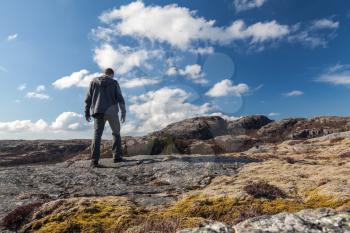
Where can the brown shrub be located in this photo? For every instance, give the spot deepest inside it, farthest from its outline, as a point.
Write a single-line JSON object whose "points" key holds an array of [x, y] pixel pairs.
{"points": [[290, 160], [249, 212], [344, 155], [161, 225], [335, 140], [16, 218], [262, 189]]}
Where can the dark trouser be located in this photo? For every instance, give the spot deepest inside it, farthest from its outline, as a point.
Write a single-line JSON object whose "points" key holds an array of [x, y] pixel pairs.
{"points": [[99, 125]]}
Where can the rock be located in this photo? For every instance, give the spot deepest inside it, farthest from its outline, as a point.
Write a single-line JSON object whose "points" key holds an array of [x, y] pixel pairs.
{"points": [[279, 130], [201, 147], [138, 145], [246, 124], [301, 128], [201, 128], [215, 227], [230, 143], [305, 221], [15, 152], [149, 180]]}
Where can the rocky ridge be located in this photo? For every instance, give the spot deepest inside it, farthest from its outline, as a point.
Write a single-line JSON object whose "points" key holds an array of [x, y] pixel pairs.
{"points": [[193, 173]]}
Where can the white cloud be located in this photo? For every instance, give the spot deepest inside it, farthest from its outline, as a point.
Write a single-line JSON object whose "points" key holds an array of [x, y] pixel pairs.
{"points": [[192, 72], [182, 27], [123, 59], [338, 74], [66, 121], [80, 78], [12, 37], [36, 95], [315, 34], [69, 121], [325, 24], [138, 82], [226, 117], [242, 5], [40, 88], [22, 87], [273, 114], [156, 109], [202, 51], [226, 87], [294, 93], [23, 125]]}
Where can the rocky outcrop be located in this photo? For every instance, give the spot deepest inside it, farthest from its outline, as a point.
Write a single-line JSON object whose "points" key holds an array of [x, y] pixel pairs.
{"points": [[247, 125], [146, 179], [305, 221], [15, 152], [199, 135], [200, 128], [301, 128]]}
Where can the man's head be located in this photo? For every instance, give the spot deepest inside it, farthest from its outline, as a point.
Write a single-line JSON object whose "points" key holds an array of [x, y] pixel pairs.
{"points": [[109, 72]]}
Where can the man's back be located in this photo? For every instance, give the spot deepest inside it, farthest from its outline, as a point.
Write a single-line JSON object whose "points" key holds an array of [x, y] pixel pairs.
{"points": [[103, 96]]}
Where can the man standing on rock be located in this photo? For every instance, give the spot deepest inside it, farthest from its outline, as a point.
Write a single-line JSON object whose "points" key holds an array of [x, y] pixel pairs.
{"points": [[103, 97]]}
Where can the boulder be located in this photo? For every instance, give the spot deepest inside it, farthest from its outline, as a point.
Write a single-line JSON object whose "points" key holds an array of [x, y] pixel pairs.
{"points": [[194, 128], [201, 147], [231, 143], [246, 124], [138, 145]]}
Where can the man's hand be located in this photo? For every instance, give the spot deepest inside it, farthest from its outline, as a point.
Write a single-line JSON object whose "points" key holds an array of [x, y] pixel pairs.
{"points": [[122, 118], [88, 117]]}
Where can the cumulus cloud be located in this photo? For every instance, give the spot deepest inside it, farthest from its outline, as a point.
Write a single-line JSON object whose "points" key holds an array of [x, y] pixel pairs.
{"points": [[192, 72], [294, 93], [12, 37], [69, 121], [226, 87], [38, 93], [123, 59], [325, 24], [80, 78], [66, 121], [138, 82], [156, 109], [183, 26], [23, 125], [338, 74], [243, 5]]}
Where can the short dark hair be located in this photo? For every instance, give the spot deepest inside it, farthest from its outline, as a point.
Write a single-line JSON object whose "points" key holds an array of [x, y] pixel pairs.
{"points": [[109, 71]]}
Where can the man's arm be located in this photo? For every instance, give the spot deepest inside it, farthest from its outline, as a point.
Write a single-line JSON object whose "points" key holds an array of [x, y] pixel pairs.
{"points": [[88, 100], [121, 102]]}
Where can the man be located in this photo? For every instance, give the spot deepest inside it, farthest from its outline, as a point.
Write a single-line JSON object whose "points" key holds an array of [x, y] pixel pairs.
{"points": [[103, 97]]}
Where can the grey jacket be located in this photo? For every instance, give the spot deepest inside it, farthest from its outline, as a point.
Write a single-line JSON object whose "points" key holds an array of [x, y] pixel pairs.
{"points": [[103, 96]]}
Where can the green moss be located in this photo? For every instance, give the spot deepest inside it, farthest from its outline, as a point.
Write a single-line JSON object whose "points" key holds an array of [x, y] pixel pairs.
{"points": [[111, 215]]}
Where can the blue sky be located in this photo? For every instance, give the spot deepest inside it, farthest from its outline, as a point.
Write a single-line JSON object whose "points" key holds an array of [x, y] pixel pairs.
{"points": [[174, 60]]}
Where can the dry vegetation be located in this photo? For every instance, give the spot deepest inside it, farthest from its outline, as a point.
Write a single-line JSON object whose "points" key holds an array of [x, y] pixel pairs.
{"points": [[300, 175]]}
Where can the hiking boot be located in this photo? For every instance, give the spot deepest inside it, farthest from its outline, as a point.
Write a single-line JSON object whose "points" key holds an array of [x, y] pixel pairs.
{"points": [[94, 164], [118, 160]]}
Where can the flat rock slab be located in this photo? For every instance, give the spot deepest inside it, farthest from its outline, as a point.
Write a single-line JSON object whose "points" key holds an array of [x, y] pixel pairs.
{"points": [[148, 180], [305, 221]]}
